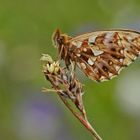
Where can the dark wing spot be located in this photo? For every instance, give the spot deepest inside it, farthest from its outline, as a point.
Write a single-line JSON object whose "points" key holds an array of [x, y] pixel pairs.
{"points": [[113, 49], [105, 68]]}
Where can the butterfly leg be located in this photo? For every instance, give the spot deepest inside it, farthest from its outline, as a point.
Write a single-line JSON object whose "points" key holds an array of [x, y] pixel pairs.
{"points": [[60, 53]]}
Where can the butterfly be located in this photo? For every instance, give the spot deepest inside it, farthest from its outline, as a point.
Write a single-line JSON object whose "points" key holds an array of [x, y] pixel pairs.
{"points": [[101, 55]]}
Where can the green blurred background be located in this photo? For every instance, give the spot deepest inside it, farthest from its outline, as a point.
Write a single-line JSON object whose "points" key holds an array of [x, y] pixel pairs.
{"points": [[26, 27]]}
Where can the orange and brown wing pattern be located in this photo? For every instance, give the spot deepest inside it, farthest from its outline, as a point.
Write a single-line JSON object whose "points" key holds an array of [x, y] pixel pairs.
{"points": [[102, 55]]}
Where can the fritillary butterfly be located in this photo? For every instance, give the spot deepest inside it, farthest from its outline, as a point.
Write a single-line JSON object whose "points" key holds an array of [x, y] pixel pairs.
{"points": [[101, 55]]}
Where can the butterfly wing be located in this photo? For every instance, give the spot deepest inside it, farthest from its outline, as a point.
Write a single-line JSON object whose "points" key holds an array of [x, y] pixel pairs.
{"points": [[103, 54]]}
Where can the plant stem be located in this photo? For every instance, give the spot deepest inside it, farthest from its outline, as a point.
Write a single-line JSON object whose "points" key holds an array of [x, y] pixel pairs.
{"points": [[83, 120]]}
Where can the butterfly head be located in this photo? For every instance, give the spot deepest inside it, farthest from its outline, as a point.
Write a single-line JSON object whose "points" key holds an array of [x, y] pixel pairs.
{"points": [[60, 39]]}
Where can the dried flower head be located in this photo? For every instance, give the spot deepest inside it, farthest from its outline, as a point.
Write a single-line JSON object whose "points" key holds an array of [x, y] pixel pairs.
{"points": [[50, 65], [46, 58]]}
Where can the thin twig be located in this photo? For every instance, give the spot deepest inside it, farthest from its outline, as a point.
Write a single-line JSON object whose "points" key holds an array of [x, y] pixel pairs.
{"points": [[67, 87], [84, 121]]}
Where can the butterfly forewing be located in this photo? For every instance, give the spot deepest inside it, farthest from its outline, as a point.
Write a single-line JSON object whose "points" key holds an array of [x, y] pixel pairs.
{"points": [[102, 55]]}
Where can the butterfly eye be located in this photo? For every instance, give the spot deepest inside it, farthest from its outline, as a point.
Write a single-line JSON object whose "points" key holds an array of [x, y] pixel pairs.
{"points": [[60, 40], [56, 38]]}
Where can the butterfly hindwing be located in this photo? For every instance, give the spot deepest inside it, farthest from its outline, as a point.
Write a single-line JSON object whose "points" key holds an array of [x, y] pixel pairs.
{"points": [[102, 55]]}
